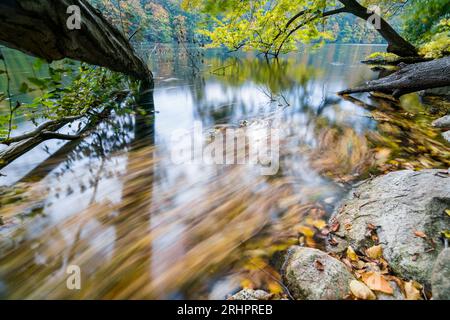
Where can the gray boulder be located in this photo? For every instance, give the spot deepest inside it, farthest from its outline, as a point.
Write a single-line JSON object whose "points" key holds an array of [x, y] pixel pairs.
{"points": [[404, 206], [311, 274], [440, 279]]}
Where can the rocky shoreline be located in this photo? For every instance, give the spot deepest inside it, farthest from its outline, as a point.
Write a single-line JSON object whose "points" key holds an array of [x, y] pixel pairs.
{"points": [[387, 241]]}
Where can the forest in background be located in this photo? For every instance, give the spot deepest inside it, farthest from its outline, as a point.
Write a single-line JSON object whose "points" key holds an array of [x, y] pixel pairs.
{"points": [[168, 21]]}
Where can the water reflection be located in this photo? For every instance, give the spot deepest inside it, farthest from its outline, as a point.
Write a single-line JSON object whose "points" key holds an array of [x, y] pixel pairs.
{"points": [[140, 226]]}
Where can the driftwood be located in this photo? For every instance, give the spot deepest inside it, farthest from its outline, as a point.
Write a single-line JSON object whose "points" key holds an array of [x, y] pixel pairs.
{"points": [[39, 28], [410, 78]]}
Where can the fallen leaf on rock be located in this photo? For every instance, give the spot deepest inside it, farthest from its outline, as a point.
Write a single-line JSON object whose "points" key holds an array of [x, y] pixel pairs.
{"points": [[412, 293], [361, 264], [319, 265], [351, 254], [335, 227], [446, 234], [375, 238], [420, 234], [347, 264], [371, 226], [377, 282], [374, 252], [333, 242], [361, 291], [348, 226], [306, 231], [318, 223], [447, 211]]}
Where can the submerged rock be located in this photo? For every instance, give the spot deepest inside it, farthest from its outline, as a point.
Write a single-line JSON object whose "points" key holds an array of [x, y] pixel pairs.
{"points": [[440, 279], [446, 136], [250, 294], [443, 122], [311, 274], [407, 208]]}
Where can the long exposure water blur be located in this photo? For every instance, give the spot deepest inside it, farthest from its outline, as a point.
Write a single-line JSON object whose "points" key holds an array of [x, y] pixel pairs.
{"points": [[141, 226]]}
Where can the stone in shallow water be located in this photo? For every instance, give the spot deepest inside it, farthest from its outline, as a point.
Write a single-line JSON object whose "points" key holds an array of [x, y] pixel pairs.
{"points": [[446, 136], [311, 274], [249, 294], [443, 122], [402, 205]]}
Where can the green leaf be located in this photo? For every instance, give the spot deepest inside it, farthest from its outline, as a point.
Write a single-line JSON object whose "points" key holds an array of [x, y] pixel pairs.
{"points": [[38, 82], [37, 64], [24, 88]]}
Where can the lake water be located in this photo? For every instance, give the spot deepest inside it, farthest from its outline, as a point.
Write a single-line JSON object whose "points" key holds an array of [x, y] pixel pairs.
{"points": [[142, 225]]}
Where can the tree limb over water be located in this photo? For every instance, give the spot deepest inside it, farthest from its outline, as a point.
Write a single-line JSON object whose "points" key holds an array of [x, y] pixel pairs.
{"points": [[410, 78], [39, 28]]}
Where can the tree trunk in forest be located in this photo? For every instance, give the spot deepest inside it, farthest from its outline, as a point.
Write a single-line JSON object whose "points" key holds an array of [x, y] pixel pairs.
{"points": [[39, 28], [411, 78], [396, 43]]}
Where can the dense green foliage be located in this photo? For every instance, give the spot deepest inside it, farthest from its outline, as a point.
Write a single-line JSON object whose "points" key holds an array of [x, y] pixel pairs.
{"points": [[151, 20], [61, 89], [424, 18], [277, 26], [427, 24]]}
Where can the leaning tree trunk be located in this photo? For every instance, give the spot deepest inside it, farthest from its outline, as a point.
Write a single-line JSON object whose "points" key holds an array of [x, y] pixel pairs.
{"points": [[396, 43], [411, 78], [39, 28]]}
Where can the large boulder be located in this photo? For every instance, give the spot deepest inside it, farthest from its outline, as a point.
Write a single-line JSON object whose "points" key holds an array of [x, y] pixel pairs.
{"points": [[311, 274], [408, 210], [440, 279]]}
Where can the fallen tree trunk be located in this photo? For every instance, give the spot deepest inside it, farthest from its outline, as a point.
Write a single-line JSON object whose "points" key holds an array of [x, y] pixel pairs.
{"points": [[39, 28], [411, 78]]}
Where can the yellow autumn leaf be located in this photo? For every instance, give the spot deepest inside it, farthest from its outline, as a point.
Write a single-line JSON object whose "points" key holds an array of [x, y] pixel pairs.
{"points": [[447, 211], [361, 291], [274, 287], [306, 231], [246, 283], [375, 281], [412, 293], [318, 223], [375, 252], [351, 254], [446, 234]]}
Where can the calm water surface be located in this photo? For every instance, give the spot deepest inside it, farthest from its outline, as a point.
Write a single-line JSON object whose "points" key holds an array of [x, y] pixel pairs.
{"points": [[141, 226]]}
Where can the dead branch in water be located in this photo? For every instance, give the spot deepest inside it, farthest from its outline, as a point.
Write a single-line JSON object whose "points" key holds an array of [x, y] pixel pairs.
{"points": [[410, 78]]}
